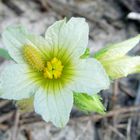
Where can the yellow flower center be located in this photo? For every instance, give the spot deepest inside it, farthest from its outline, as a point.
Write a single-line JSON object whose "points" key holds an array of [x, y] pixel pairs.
{"points": [[33, 57], [54, 69], [50, 69]]}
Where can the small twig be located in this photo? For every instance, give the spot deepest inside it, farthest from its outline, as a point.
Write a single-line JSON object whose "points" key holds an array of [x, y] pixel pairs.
{"points": [[3, 127], [121, 126], [116, 87], [13, 6], [129, 111], [137, 101], [15, 128], [83, 131], [117, 132], [3, 103], [28, 134], [6, 116], [127, 91], [115, 92], [30, 120], [129, 129], [129, 114], [135, 118], [112, 113], [127, 4], [44, 4]]}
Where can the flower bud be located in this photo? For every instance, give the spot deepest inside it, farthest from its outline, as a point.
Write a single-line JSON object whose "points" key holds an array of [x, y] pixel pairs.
{"points": [[88, 103], [115, 60]]}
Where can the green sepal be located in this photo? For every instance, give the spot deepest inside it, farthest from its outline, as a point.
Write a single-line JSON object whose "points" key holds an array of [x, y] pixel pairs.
{"points": [[87, 103], [86, 54], [4, 54]]}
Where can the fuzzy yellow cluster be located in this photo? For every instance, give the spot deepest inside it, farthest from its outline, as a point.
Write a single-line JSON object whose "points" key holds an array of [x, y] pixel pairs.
{"points": [[33, 57], [53, 68]]}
